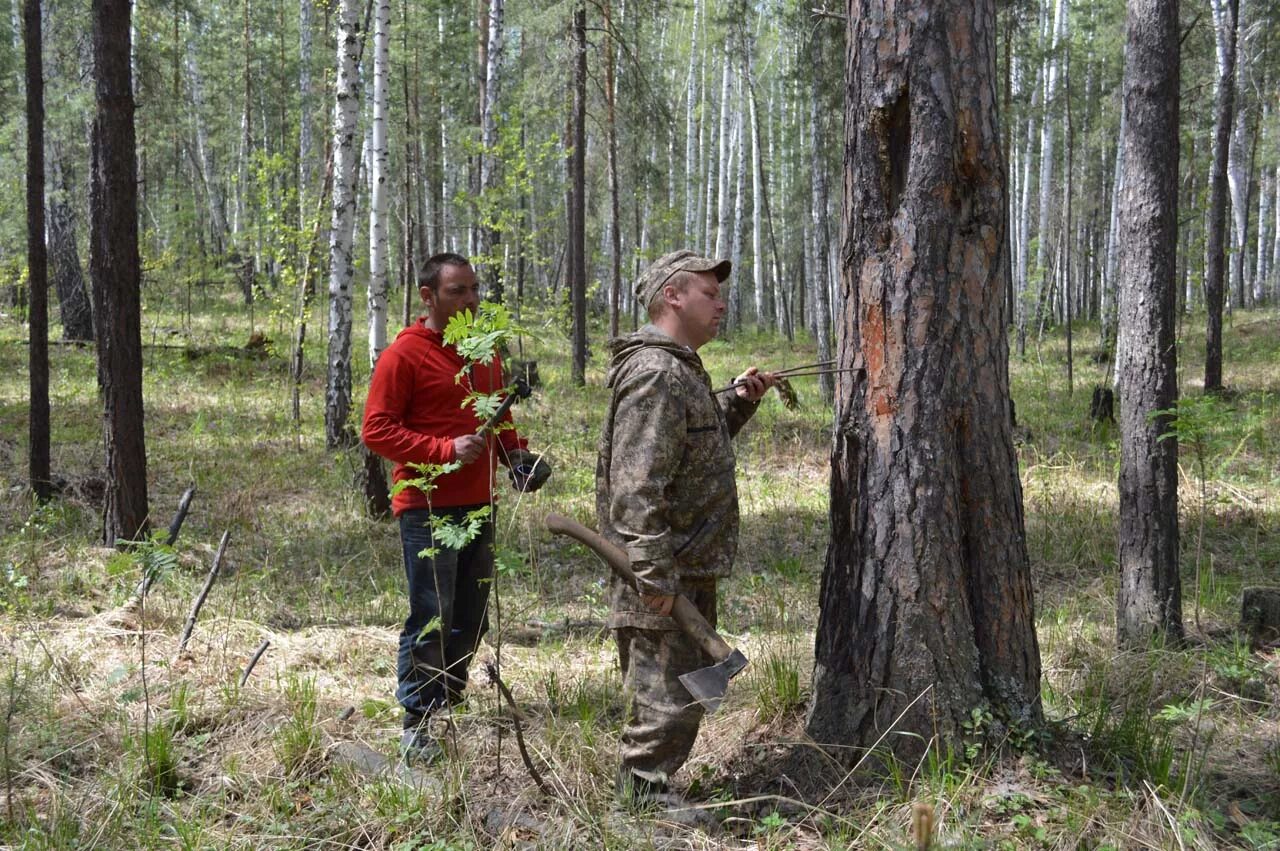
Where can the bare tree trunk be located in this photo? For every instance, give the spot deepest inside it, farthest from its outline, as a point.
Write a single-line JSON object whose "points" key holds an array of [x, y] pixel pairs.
{"points": [[578, 196], [926, 599], [74, 307], [1047, 141], [37, 259], [490, 238], [821, 238], [208, 168], [1149, 600], [116, 272], [691, 126], [1225, 13], [739, 224], [615, 226], [305, 111], [379, 160], [342, 231]]}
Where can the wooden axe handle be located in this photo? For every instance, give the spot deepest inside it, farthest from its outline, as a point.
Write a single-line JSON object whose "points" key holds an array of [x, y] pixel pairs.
{"points": [[685, 614]]}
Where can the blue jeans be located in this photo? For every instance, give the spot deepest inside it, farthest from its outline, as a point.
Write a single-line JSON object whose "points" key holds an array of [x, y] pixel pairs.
{"points": [[453, 586]]}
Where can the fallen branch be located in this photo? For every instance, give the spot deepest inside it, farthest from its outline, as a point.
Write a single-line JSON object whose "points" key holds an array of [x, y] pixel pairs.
{"points": [[175, 526], [204, 592], [257, 654], [516, 716]]}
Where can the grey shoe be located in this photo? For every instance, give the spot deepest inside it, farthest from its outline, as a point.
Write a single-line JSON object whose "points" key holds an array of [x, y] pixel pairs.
{"points": [[417, 748]]}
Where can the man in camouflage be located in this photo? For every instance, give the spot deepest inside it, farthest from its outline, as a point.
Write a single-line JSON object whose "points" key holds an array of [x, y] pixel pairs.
{"points": [[666, 493]]}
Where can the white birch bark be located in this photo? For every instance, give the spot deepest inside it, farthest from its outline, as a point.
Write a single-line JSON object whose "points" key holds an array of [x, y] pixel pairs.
{"points": [[735, 249], [207, 169], [1047, 140], [1238, 166], [757, 212], [1275, 241], [378, 175], [489, 128], [724, 164], [1107, 298], [690, 126], [821, 232], [1265, 191], [341, 259], [305, 110]]}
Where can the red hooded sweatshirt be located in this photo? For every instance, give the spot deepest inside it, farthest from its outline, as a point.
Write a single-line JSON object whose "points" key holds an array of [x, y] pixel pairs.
{"points": [[414, 411]]}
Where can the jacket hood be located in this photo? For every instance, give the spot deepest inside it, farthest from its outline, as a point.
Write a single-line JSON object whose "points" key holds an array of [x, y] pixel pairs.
{"points": [[623, 349]]}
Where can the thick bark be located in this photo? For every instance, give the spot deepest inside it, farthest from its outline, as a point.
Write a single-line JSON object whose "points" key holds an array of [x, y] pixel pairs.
{"points": [[1149, 600], [74, 307], [37, 259], [341, 258], [578, 197], [926, 599], [380, 158], [116, 272], [1225, 15]]}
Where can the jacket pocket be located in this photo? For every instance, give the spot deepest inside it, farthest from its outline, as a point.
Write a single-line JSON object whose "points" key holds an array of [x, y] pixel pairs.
{"points": [[698, 530]]}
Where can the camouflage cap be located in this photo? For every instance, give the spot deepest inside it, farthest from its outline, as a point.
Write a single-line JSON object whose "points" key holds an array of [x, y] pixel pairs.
{"points": [[658, 272]]}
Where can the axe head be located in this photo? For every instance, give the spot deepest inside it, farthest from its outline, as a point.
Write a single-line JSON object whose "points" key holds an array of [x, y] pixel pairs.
{"points": [[708, 685]]}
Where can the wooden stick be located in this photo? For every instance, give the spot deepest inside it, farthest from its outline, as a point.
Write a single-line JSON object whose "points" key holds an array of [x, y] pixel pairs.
{"points": [[204, 592], [257, 654], [516, 716], [175, 526]]}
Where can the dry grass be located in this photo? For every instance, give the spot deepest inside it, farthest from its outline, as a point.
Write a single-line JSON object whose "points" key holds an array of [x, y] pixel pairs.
{"points": [[95, 704]]}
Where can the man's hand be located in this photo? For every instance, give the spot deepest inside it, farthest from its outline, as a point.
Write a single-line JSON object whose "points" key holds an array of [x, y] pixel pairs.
{"points": [[468, 448], [660, 603], [753, 384]]}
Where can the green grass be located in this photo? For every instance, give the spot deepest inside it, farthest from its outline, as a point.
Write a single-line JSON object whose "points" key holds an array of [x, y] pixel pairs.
{"points": [[1151, 749]]}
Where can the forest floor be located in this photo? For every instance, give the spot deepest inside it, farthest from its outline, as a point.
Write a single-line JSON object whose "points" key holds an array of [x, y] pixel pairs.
{"points": [[110, 738]]}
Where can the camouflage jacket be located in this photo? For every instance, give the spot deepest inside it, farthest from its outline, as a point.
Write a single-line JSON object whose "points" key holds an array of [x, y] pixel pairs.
{"points": [[665, 483]]}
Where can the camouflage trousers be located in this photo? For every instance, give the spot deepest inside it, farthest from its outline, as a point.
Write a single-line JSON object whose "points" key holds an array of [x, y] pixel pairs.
{"points": [[662, 718]]}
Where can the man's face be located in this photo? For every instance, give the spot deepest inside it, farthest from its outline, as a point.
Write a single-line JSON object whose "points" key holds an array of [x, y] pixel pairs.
{"points": [[456, 291], [699, 307]]}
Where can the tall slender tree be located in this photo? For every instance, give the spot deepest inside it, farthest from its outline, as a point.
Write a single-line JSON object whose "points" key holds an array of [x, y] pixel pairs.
{"points": [[116, 272], [578, 195], [1225, 13], [37, 258], [1150, 599], [341, 257], [926, 598], [379, 181]]}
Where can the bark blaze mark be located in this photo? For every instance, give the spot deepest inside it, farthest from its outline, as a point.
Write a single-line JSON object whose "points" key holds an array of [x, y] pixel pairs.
{"points": [[896, 149]]}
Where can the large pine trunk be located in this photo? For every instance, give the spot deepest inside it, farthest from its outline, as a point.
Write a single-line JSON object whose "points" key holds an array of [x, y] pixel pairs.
{"points": [[115, 270], [1149, 599], [926, 599]]}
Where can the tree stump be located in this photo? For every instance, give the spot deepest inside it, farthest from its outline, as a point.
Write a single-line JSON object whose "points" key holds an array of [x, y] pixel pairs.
{"points": [[1260, 614], [1102, 406]]}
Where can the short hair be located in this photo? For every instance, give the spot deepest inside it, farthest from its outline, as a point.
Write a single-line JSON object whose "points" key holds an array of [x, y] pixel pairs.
{"points": [[430, 275], [679, 280]]}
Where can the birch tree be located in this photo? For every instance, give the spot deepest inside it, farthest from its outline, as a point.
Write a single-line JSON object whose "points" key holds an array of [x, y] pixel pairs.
{"points": [[379, 159], [1225, 14], [342, 225]]}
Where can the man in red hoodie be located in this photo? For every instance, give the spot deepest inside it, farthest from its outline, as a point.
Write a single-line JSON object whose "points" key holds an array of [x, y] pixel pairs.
{"points": [[415, 413]]}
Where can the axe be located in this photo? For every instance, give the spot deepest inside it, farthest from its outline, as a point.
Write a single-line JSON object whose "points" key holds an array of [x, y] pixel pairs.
{"points": [[707, 685]]}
